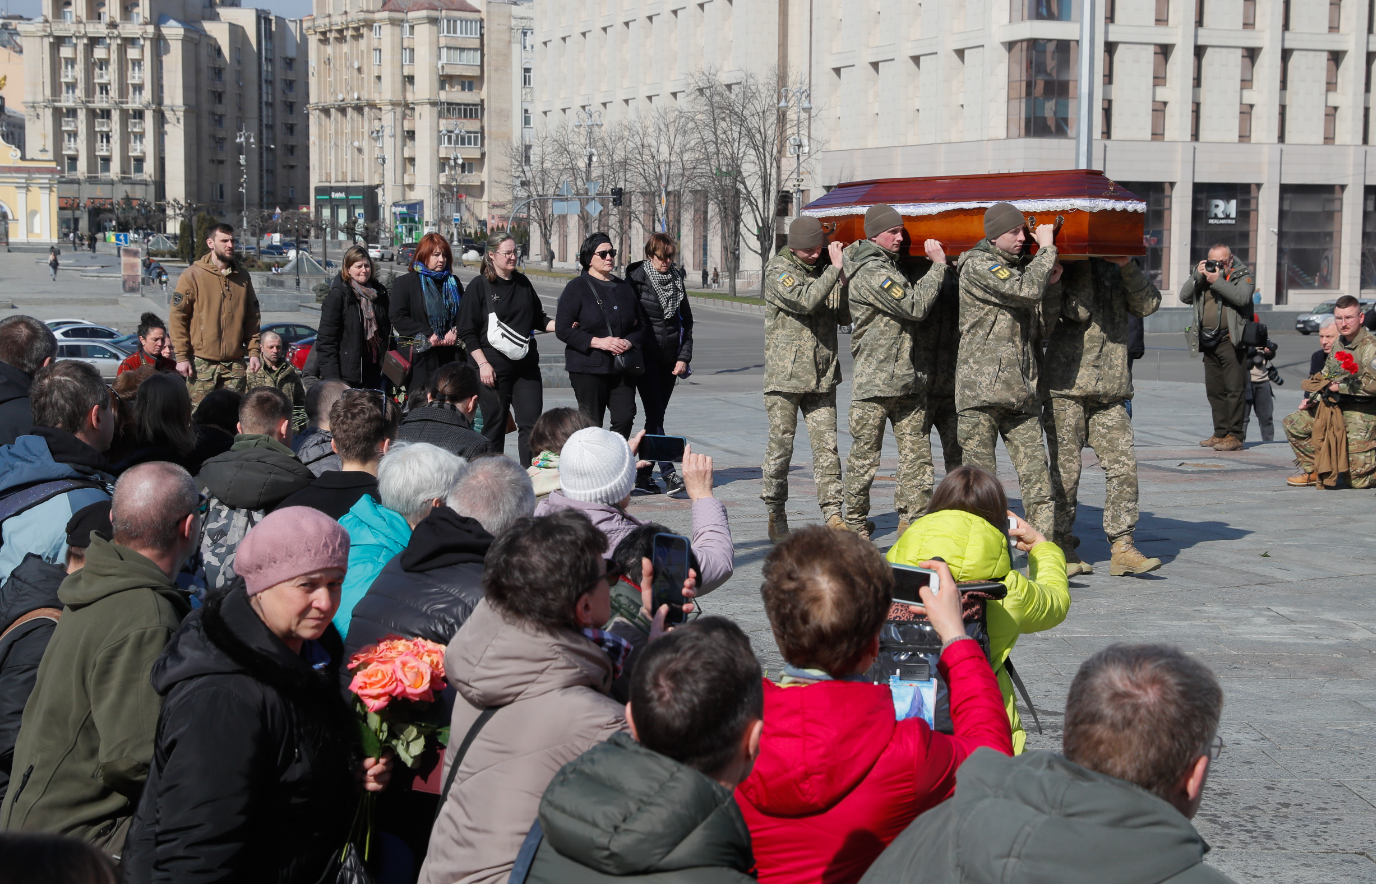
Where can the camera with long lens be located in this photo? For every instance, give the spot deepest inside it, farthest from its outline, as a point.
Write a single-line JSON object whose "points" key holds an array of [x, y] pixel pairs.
{"points": [[1274, 376]]}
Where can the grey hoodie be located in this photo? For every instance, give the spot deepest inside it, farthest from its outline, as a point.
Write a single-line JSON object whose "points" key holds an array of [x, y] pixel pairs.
{"points": [[1038, 817]]}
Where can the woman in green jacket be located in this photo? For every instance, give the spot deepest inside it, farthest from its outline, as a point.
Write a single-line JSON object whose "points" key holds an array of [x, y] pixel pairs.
{"points": [[967, 526]]}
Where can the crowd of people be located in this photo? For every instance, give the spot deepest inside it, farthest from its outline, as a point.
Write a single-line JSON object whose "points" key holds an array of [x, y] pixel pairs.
{"points": [[190, 568]]}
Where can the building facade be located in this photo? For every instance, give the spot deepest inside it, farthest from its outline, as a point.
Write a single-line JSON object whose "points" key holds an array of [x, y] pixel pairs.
{"points": [[1245, 122], [409, 98], [154, 110]]}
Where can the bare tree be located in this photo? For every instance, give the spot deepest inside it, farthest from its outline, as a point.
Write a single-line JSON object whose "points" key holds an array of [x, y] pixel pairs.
{"points": [[659, 160], [538, 166]]}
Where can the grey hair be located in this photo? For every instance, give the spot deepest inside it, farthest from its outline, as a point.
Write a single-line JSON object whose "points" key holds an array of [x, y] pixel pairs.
{"points": [[150, 501], [495, 491], [1327, 321], [412, 474]]}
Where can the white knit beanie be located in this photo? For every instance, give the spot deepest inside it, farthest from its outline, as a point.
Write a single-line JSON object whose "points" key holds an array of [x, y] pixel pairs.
{"points": [[596, 466]]}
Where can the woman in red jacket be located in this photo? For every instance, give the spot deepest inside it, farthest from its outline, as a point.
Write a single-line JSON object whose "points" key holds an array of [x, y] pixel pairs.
{"points": [[152, 338], [838, 778]]}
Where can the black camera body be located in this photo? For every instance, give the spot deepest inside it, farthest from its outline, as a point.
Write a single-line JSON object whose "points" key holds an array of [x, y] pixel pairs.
{"points": [[1213, 266]]}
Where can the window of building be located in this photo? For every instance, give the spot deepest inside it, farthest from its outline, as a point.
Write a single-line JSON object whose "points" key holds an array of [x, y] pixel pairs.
{"points": [[238, 55], [1308, 250], [454, 111], [526, 151], [1244, 123], [1160, 57], [1280, 125], [291, 150], [409, 81], [1156, 233], [1227, 214], [1199, 66], [136, 71], [470, 139], [377, 32], [1330, 125], [527, 123], [1199, 13], [527, 40], [69, 91], [219, 191], [377, 56], [68, 15], [1163, 12], [289, 63], [136, 95], [71, 164], [138, 165], [103, 92], [1158, 121], [458, 55], [289, 107], [289, 129], [1249, 14], [1105, 119], [217, 97], [1334, 61], [408, 29], [220, 142], [460, 27], [1335, 16], [105, 165], [468, 85], [527, 77], [1041, 89], [1249, 64], [1044, 10], [68, 69], [408, 55], [291, 193]]}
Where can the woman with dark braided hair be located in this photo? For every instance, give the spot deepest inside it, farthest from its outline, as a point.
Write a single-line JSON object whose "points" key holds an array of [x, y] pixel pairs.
{"points": [[152, 336], [425, 305]]}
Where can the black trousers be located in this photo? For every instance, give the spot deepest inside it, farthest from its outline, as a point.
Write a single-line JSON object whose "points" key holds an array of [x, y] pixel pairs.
{"points": [[656, 386], [597, 393], [524, 392], [1261, 401], [1225, 383]]}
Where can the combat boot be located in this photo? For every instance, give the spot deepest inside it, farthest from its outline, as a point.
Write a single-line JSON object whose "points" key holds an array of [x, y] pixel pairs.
{"points": [[1073, 563], [778, 527], [1127, 559], [1228, 443], [836, 523], [1303, 480], [1210, 442]]}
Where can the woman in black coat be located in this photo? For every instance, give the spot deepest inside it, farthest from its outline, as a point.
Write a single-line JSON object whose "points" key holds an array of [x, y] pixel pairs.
{"points": [[598, 318], [355, 325], [659, 284], [425, 304], [500, 291], [256, 766]]}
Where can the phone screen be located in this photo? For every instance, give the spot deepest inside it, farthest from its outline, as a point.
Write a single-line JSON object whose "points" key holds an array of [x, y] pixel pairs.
{"points": [[666, 448], [670, 559], [907, 579]]}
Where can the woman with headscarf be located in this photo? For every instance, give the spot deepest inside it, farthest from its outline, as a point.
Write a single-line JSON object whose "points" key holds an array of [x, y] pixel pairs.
{"points": [[601, 322], [355, 325], [425, 305]]}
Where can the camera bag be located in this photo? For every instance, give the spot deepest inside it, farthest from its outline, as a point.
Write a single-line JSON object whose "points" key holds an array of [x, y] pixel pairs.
{"points": [[910, 647]]}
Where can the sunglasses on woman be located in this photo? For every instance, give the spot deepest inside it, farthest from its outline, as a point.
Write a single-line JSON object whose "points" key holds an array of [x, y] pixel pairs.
{"points": [[605, 255]]}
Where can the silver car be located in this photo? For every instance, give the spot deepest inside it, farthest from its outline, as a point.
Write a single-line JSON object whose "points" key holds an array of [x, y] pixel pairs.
{"points": [[104, 357], [1308, 323]]}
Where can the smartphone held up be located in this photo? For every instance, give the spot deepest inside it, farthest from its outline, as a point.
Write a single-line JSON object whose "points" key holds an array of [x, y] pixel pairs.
{"points": [[669, 556]]}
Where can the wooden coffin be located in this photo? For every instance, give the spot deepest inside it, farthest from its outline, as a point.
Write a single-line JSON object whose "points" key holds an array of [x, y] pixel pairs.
{"points": [[1100, 217]]}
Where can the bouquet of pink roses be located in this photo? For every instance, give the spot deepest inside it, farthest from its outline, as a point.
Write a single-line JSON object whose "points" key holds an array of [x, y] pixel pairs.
{"points": [[395, 682]]}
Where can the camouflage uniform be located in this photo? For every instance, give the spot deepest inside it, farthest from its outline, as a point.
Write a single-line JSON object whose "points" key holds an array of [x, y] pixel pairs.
{"points": [[285, 378], [207, 376], [803, 306], [886, 306], [1359, 415], [938, 338], [213, 323], [1086, 377], [996, 368]]}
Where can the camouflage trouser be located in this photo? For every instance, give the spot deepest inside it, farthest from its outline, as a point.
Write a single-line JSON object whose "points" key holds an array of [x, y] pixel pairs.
{"points": [[941, 414], [1071, 424], [1361, 444], [908, 414], [207, 376], [819, 412], [980, 429]]}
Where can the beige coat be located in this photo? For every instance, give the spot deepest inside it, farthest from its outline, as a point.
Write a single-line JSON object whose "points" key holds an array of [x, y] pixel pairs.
{"points": [[553, 690]]}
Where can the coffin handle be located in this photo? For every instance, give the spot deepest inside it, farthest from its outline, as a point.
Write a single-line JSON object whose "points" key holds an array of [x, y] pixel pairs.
{"points": [[1060, 219]]}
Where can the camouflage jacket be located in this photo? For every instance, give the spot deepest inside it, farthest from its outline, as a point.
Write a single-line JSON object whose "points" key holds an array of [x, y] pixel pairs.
{"points": [[1000, 326], [285, 378], [803, 306], [1363, 350], [886, 307], [1087, 357]]}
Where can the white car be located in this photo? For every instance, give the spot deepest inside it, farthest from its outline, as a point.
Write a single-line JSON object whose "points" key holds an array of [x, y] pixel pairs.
{"points": [[104, 357], [55, 323], [85, 332], [378, 253]]}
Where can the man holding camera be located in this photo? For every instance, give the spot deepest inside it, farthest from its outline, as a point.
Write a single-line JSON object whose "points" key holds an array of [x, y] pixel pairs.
{"points": [[1220, 288], [1354, 393]]}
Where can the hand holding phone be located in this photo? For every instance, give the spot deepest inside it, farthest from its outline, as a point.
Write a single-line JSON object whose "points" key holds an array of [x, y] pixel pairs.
{"points": [[662, 448], [943, 606], [908, 582], [670, 578], [1022, 533]]}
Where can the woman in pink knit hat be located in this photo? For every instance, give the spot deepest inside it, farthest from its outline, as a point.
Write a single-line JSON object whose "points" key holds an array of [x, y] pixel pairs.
{"points": [[256, 772]]}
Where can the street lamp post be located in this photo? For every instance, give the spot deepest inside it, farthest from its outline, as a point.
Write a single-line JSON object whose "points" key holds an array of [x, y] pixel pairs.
{"points": [[377, 133], [800, 96], [589, 119], [245, 141]]}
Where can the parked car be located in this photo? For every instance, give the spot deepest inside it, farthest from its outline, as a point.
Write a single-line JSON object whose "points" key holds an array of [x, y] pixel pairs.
{"points": [[406, 255], [300, 351], [86, 332], [291, 332], [1308, 323], [380, 253], [57, 323], [465, 244], [128, 343], [272, 251], [104, 357]]}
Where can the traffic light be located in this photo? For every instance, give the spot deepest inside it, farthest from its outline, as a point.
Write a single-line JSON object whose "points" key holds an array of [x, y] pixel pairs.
{"points": [[616, 196]]}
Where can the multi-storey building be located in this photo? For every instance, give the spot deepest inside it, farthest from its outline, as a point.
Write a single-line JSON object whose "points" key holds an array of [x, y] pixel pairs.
{"points": [[1239, 121], [169, 106], [413, 104]]}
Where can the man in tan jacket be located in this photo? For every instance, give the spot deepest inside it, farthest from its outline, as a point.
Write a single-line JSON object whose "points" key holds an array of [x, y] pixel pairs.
{"points": [[215, 320]]}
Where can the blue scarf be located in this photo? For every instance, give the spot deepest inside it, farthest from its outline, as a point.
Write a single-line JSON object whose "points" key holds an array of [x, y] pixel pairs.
{"points": [[441, 298]]}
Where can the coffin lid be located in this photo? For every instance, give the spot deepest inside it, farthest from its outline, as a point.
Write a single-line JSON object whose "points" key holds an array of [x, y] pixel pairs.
{"points": [[1084, 190]]}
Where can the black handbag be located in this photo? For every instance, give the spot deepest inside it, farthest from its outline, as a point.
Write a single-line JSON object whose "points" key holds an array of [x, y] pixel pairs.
{"points": [[1254, 334], [632, 362]]}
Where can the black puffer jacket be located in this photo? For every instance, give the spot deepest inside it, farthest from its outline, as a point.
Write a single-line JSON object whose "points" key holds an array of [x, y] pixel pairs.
{"points": [[669, 339], [313, 448], [430, 588], [257, 473], [444, 425], [253, 771], [344, 354], [31, 586], [16, 415]]}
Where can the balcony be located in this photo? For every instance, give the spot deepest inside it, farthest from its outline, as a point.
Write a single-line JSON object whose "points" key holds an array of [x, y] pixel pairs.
{"points": [[66, 52], [102, 125], [136, 76], [102, 76], [102, 150], [68, 75], [100, 51], [69, 146], [133, 52], [136, 150], [69, 125], [136, 125]]}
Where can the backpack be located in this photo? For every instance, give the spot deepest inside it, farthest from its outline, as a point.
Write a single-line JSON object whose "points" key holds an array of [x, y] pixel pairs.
{"points": [[909, 647], [222, 531], [26, 497]]}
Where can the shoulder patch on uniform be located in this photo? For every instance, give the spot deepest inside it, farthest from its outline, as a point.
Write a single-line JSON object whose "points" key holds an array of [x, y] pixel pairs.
{"points": [[176, 299], [999, 271], [786, 278], [891, 288]]}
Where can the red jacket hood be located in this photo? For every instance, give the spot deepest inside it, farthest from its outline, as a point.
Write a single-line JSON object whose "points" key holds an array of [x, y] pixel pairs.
{"points": [[820, 740]]}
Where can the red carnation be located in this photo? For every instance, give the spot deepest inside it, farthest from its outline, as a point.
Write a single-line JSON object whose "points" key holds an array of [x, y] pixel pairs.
{"points": [[1346, 360]]}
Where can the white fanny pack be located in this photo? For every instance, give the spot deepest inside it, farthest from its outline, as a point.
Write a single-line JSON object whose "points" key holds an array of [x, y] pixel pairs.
{"points": [[509, 342]]}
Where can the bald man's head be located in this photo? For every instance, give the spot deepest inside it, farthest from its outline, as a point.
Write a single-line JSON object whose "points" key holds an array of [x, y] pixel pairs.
{"points": [[150, 501]]}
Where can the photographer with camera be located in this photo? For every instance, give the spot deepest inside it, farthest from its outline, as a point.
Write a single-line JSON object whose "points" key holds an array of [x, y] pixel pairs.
{"points": [[1260, 399], [1220, 288]]}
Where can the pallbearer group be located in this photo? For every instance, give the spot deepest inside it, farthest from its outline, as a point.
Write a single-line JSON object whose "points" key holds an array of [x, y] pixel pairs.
{"points": [[999, 343]]}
